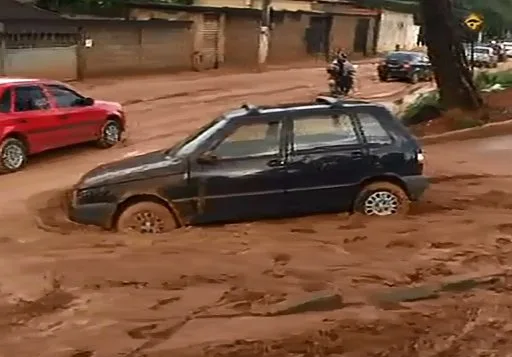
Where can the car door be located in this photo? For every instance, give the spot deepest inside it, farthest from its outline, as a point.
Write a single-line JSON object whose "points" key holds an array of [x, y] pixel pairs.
{"points": [[34, 116], [83, 122], [327, 161], [246, 179]]}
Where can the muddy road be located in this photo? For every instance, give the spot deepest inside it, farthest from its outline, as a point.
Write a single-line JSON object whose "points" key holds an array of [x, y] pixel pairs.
{"points": [[232, 290]]}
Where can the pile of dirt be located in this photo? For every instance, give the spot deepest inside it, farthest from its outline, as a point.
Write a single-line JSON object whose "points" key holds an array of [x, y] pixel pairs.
{"points": [[498, 108]]}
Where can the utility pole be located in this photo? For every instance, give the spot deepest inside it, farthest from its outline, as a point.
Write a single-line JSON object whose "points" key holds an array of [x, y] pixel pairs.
{"points": [[264, 36]]}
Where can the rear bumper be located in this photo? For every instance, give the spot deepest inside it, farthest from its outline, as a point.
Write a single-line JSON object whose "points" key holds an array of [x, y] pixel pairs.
{"points": [[416, 186]]}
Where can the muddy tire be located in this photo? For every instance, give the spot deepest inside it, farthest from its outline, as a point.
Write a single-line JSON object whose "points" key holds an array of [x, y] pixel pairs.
{"points": [[13, 155], [110, 134], [383, 78], [382, 199], [146, 217], [415, 78]]}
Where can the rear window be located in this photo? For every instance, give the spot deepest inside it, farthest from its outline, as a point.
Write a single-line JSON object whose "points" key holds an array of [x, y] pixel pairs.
{"points": [[399, 56]]}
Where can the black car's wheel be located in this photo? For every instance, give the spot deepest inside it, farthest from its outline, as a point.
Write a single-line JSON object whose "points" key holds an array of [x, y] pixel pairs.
{"points": [[381, 199], [13, 155], [383, 77], [110, 134], [415, 78], [146, 217]]}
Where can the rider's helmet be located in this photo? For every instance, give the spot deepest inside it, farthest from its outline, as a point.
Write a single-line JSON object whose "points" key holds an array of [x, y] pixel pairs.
{"points": [[342, 57], [493, 42]]}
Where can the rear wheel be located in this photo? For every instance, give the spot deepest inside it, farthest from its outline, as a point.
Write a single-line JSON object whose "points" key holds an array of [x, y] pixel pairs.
{"points": [[110, 134], [383, 77], [13, 155], [381, 199], [146, 217]]}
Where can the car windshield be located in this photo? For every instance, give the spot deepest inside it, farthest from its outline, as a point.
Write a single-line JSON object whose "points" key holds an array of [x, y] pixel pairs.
{"points": [[191, 143], [399, 56]]}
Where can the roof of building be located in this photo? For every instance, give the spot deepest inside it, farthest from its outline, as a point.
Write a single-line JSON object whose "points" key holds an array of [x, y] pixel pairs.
{"points": [[14, 10]]}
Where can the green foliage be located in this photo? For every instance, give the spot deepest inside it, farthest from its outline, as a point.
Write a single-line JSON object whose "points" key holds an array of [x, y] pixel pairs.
{"points": [[485, 80], [416, 109]]}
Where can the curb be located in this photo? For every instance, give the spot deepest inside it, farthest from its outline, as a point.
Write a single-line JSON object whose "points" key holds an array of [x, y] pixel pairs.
{"points": [[408, 89], [484, 131]]}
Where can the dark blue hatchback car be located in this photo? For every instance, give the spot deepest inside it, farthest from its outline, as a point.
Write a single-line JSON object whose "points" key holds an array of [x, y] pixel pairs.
{"points": [[261, 162]]}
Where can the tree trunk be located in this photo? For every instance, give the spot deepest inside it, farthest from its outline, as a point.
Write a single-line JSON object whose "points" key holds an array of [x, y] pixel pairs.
{"points": [[452, 74]]}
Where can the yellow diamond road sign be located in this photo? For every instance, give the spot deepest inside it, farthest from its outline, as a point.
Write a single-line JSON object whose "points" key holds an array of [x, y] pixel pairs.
{"points": [[474, 22]]}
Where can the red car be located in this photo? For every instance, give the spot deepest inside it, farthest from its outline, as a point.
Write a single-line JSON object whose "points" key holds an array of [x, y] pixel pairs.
{"points": [[39, 115]]}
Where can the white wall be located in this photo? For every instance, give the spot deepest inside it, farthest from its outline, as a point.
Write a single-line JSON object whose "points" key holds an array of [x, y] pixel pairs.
{"points": [[397, 28]]}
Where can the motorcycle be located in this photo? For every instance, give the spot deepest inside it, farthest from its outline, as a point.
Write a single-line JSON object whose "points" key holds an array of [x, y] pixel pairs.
{"points": [[339, 85]]}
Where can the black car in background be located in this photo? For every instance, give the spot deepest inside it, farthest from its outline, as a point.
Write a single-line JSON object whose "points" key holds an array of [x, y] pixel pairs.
{"points": [[410, 66], [256, 162]]}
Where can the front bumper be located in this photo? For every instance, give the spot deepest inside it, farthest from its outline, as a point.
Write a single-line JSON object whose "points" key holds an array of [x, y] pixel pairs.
{"points": [[95, 214], [416, 186]]}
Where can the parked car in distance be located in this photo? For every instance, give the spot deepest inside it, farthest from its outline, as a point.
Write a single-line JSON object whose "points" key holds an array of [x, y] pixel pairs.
{"points": [[39, 115], [261, 162], [483, 56], [507, 46], [410, 66]]}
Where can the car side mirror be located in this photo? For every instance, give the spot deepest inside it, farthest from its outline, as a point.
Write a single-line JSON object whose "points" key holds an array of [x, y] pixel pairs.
{"points": [[88, 102], [207, 158]]}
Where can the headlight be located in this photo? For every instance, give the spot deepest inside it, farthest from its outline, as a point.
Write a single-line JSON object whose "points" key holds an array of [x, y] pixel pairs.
{"points": [[92, 195]]}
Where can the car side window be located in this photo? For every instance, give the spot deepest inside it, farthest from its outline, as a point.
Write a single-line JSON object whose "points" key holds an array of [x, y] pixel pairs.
{"points": [[28, 98], [64, 97], [5, 101], [323, 131], [373, 130], [255, 139]]}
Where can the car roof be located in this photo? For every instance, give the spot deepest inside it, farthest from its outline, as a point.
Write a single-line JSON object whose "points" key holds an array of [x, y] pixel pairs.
{"points": [[413, 53], [247, 110], [9, 80]]}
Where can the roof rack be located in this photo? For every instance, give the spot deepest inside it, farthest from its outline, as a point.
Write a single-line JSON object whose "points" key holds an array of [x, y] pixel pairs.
{"points": [[332, 101], [251, 108]]}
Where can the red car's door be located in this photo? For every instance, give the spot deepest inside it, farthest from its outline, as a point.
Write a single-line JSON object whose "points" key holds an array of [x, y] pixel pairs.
{"points": [[34, 117], [83, 122]]}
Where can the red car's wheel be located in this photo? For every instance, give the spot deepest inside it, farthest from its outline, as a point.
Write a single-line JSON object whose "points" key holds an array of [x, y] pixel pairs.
{"points": [[110, 134], [13, 155]]}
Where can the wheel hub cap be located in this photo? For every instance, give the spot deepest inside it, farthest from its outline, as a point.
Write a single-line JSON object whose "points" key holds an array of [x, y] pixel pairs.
{"points": [[381, 203], [147, 222], [112, 133], [13, 157]]}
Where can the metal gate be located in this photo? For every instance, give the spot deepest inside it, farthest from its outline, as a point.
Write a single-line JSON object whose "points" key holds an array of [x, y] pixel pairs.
{"points": [[48, 55], [210, 34], [361, 36], [317, 35]]}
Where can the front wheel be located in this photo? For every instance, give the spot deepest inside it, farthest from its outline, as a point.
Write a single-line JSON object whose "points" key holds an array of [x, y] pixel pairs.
{"points": [[414, 78], [13, 155], [381, 199], [146, 217], [110, 134]]}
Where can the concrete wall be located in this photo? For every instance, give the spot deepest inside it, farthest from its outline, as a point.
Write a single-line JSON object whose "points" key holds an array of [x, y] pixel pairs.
{"points": [[288, 39], [241, 41], [292, 5], [125, 48], [52, 62], [396, 28], [343, 32]]}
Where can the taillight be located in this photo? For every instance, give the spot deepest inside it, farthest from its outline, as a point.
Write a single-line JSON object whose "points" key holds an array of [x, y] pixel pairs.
{"points": [[407, 65]]}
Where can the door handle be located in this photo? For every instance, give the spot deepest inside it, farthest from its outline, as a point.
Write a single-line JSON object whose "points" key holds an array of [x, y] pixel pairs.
{"points": [[22, 121], [357, 155], [275, 163]]}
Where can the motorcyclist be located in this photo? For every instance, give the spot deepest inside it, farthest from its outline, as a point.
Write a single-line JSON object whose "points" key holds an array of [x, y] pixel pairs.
{"points": [[344, 72]]}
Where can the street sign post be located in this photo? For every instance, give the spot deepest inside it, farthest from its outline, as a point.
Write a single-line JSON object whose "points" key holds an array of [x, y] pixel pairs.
{"points": [[474, 23]]}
